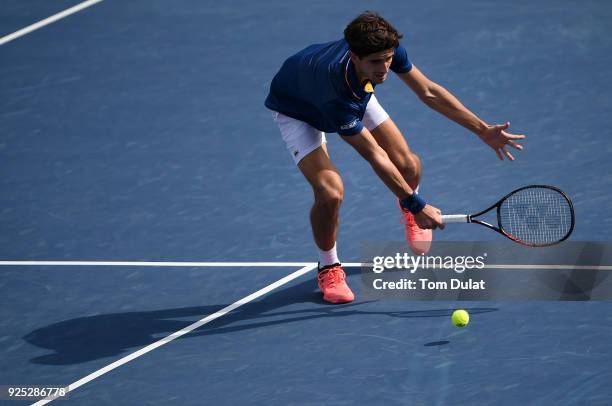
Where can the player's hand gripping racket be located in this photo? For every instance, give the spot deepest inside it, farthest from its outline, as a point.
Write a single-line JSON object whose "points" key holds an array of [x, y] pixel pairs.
{"points": [[536, 216]]}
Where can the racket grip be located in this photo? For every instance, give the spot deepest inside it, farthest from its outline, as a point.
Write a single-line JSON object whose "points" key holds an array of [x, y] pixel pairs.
{"points": [[455, 218]]}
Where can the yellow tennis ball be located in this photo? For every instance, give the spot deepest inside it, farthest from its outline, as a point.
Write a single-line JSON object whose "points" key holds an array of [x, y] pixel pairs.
{"points": [[460, 318]]}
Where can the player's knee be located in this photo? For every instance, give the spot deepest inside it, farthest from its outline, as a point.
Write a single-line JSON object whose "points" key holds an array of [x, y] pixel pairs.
{"points": [[410, 167], [329, 194], [415, 163]]}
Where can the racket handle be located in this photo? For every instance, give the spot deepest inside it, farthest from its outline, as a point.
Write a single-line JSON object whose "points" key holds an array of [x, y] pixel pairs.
{"points": [[455, 218]]}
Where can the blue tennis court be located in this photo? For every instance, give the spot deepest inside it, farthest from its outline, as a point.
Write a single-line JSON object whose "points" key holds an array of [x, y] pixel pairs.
{"points": [[144, 187]]}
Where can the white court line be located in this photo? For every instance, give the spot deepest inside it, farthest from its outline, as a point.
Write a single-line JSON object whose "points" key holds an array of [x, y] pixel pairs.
{"points": [[184, 331], [276, 264], [560, 267], [158, 264], [511, 266], [47, 21]]}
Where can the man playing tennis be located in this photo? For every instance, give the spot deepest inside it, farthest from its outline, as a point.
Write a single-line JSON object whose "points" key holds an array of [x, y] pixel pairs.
{"points": [[329, 88]]}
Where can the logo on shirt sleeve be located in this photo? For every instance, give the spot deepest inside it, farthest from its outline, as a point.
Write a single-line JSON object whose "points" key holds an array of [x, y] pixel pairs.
{"points": [[350, 125]]}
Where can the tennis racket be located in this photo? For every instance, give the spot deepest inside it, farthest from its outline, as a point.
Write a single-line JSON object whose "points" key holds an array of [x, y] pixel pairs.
{"points": [[536, 216]]}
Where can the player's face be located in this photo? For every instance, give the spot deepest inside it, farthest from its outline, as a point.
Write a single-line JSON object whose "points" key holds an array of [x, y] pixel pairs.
{"points": [[374, 66]]}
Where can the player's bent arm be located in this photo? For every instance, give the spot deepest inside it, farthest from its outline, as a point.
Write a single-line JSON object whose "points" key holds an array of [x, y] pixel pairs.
{"points": [[442, 101], [365, 144], [368, 148]]}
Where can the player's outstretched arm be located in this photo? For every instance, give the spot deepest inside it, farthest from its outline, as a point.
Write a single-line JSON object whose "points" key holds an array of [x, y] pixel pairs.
{"points": [[365, 144], [442, 101]]}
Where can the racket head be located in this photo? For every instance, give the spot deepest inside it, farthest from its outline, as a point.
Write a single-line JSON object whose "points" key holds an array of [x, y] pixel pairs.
{"points": [[536, 215]]}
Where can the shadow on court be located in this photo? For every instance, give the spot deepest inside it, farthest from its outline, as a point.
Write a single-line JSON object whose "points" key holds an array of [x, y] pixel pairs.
{"points": [[88, 338]]}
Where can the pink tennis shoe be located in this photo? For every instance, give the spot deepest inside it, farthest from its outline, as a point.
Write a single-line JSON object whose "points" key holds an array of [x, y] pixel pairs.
{"points": [[332, 282], [419, 240]]}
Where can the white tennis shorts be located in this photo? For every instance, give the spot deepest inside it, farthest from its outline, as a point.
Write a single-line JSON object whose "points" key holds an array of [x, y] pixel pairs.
{"points": [[301, 138]]}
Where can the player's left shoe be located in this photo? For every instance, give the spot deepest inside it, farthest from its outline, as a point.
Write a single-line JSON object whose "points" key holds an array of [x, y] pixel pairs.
{"points": [[332, 282], [419, 239]]}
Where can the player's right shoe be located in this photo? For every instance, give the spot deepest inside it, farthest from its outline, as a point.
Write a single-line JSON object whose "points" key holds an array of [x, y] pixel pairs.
{"points": [[332, 282], [419, 239]]}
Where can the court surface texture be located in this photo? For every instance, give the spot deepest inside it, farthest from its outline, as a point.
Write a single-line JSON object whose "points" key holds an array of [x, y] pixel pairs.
{"points": [[136, 150]]}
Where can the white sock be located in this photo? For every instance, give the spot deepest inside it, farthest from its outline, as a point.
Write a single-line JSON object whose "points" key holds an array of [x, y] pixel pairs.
{"points": [[328, 257]]}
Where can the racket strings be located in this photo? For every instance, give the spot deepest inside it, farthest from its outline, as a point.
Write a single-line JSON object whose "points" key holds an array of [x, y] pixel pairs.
{"points": [[537, 216]]}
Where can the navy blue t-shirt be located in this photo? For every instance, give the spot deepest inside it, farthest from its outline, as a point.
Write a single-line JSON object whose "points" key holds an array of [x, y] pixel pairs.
{"points": [[318, 85]]}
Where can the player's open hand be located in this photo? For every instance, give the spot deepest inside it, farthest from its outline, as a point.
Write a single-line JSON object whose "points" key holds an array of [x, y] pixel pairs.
{"points": [[429, 217], [497, 138]]}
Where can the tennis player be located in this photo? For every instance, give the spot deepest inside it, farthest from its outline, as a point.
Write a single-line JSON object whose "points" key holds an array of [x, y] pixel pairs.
{"points": [[330, 88]]}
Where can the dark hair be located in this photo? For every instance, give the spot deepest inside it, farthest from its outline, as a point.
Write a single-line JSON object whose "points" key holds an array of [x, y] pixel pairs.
{"points": [[370, 33]]}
